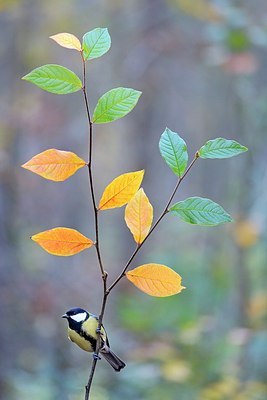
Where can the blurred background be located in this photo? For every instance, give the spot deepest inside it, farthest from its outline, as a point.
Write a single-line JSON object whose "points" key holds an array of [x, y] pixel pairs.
{"points": [[201, 66]]}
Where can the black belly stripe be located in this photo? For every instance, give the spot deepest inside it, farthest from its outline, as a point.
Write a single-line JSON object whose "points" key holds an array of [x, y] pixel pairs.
{"points": [[89, 338]]}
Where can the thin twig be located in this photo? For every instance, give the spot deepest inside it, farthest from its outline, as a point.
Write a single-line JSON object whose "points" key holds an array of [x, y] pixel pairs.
{"points": [[164, 212], [98, 346], [90, 148], [97, 246]]}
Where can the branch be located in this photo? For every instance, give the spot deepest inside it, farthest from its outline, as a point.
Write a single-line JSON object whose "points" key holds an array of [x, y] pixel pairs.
{"points": [[107, 290], [98, 345], [90, 148], [97, 246], [164, 212]]}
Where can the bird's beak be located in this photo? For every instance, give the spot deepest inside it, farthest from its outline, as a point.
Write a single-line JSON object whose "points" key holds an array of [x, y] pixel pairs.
{"points": [[64, 316]]}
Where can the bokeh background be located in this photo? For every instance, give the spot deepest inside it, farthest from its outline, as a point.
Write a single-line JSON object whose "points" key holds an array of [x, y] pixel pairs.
{"points": [[201, 66]]}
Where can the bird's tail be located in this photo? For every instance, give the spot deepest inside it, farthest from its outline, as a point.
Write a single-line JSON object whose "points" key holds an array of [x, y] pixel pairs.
{"points": [[112, 359]]}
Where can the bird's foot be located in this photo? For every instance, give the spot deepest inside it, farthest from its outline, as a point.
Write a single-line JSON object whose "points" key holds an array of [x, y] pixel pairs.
{"points": [[98, 330], [96, 357]]}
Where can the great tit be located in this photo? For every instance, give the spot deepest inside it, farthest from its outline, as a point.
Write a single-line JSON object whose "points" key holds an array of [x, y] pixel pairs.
{"points": [[82, 330]]}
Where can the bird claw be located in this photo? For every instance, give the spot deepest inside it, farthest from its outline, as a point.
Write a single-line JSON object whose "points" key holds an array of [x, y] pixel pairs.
{"points": [[98, 330], [96, 357]]}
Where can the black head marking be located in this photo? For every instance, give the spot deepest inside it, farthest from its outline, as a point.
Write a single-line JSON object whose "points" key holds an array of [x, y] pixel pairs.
{"points": [[76, 317], [75, 311]]}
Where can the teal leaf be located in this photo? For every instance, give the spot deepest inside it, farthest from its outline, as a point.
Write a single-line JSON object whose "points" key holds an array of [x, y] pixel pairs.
{"points": [[200, 211], [174, 151], [221, 148], [115, 104], [96, 43], [54, 79]]}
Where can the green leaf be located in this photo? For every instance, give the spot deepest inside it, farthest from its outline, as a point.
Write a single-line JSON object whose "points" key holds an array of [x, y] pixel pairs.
{"points": [[221, 148], [174, 151], [200, 211], [96, 43], [54, 79], [115, 104]]}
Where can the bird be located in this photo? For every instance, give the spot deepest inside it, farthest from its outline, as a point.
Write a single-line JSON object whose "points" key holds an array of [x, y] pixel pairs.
{"points": [[83, 331]]}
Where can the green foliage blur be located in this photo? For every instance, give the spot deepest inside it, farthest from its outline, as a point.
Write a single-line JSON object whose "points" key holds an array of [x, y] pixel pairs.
{"points": [[201, 66]]}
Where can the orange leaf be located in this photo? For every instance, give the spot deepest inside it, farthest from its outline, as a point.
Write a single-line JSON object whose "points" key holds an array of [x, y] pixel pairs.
{"points": [[62, 241], [67, 40], [121, 190], [156, 280], [55, 165], [139, 216]]}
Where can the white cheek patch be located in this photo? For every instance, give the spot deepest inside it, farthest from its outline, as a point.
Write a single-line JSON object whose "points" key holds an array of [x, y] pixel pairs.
{"points": [[79, 317]]}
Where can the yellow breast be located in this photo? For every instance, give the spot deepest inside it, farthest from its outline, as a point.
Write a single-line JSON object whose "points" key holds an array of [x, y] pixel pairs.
{"points": [[89, 327], [79, 340]]}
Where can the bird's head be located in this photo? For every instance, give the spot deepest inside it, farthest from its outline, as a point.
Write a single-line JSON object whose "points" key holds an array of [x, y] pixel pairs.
{"points": [[76, 316]]}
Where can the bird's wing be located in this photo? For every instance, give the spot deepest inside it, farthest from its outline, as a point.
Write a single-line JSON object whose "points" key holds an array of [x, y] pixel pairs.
{"points": [[103, 333], [106, 338]]}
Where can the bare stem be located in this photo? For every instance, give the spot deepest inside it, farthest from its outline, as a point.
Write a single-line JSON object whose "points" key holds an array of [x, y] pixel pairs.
{"points": [[97, 246], [98, 345], [91, 182]]}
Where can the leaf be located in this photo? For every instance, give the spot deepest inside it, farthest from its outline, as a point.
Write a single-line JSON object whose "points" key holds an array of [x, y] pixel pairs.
{"points": [[121, 190], [67, 40], [62, 241], [53, 164], [174, 151], [201, 9], [221, 148], [54, 79], [156, 280], [115, 104], [96, 43], [246, 233], [200, 211], [139, 216]]}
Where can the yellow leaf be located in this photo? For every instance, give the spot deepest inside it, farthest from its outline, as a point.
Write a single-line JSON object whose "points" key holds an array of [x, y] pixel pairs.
{"points": [[121, 190], [62, 241], [139, 216], [67, 40], [55, 165], [156, 280], [246, 233], [200, 9], [176, 370], [257, 308]]}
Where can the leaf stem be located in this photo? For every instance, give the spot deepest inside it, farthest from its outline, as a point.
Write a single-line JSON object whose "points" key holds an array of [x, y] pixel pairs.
{"points": [[164, 212]]}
